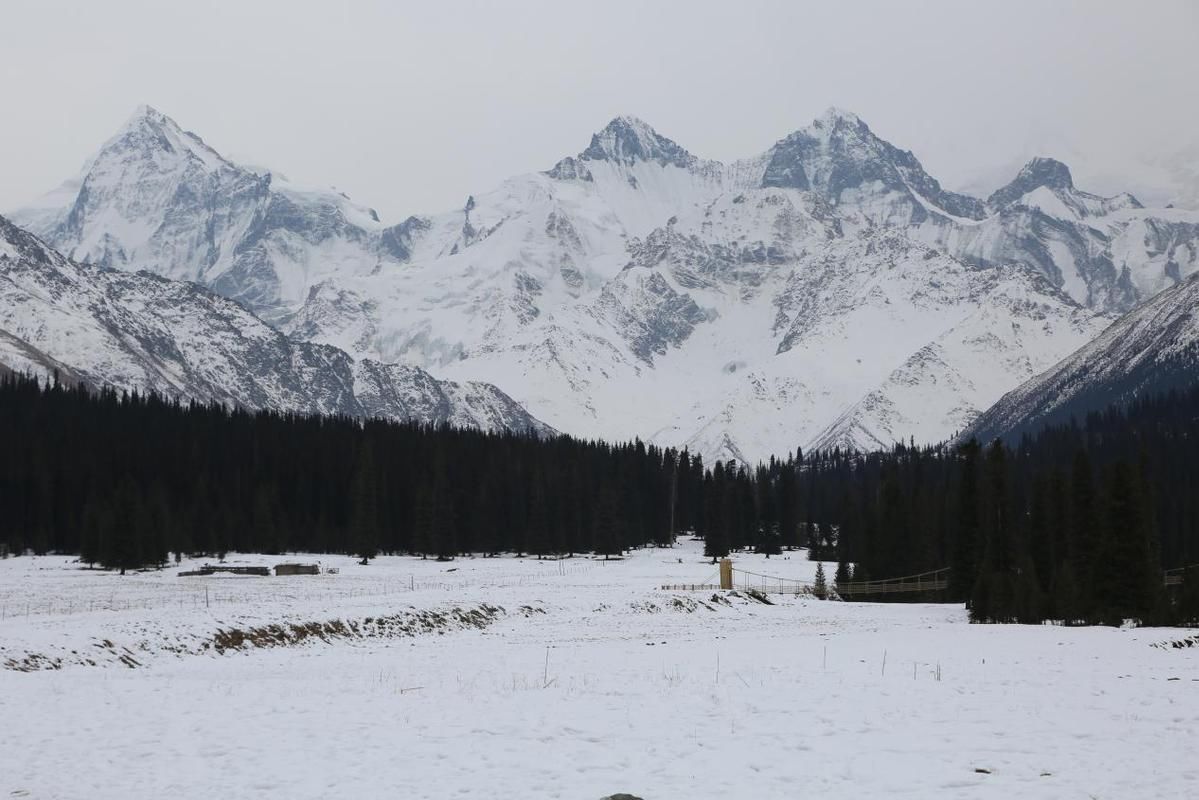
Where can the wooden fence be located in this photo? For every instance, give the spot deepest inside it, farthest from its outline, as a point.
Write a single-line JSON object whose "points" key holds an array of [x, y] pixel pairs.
{"points": [[935, 581], [926, 582], [1173, 577]]}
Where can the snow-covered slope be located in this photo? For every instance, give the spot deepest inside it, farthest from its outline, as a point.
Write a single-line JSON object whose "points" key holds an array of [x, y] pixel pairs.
{"points": [[139, 331], [826, 292], [1152, 349]]}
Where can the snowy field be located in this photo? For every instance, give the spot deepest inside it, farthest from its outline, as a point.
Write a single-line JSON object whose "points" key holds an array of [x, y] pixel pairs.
{"points": [[513, 678]]}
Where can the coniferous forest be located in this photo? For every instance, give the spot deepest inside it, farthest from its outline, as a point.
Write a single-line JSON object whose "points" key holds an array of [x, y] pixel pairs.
{"points": [[1075, 524]]}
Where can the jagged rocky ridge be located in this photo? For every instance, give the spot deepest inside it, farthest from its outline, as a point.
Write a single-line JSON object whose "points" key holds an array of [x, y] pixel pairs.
{"points": [[138, 331], [826, 292], [1151, 350]]}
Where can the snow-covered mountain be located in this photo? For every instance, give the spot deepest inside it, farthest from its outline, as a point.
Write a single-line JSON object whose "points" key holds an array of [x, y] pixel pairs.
{"points": [[1152, 349], [157, 198], [1108, 253], [1159, 180], [826, 292], [739, 309], [139, 331]]}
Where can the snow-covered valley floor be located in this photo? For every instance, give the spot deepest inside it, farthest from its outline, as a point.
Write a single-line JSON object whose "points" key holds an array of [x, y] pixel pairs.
{"points": [[509, 678]]}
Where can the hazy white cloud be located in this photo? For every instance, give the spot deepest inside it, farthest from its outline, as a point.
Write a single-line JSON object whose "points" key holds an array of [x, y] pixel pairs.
{"points": [[409, 107]]}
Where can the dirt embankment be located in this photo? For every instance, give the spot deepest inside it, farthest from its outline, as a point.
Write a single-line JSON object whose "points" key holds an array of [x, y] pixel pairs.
{"points": [[229, 639]]}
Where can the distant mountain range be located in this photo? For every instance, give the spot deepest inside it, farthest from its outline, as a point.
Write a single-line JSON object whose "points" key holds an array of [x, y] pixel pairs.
{"points": [[826, 292]]}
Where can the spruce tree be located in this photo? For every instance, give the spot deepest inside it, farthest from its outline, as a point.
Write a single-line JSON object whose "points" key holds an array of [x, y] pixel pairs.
{"points": [[1067, 598], [424, 535], [539, 518], [1058, 525], [769, 543], [364, 506], [1039, 537], [843, 575], [1084, 527], [265, 522], [996, 590], [127, 529], [445, 522], [716, 538], [964, 570], [788, 508], [605, 533], [1123, 578], [820, 588], [92, 531], [1188, 597]]}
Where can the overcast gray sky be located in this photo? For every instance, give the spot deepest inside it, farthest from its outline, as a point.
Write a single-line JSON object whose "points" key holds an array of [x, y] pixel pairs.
{"points": [[409, 107]]}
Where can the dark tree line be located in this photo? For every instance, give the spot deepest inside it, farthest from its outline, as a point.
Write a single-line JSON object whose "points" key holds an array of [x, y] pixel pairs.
{"points": [[126, 480], [1075, 523]]}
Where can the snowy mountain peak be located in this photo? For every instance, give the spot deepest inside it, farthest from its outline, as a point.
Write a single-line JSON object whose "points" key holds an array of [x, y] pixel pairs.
{"points": [[628, 139], [150, 134], [147, 114], [1039, 172], [156, 197], [833, 115], [840, 158], [1044, 178], [1048, 172]]}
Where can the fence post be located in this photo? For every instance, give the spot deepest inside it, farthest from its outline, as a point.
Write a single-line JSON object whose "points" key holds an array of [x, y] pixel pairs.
{"points": [[726, 573]]}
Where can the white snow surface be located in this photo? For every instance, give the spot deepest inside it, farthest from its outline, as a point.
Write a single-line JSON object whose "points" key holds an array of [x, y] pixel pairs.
{"points": [[591, 681]]}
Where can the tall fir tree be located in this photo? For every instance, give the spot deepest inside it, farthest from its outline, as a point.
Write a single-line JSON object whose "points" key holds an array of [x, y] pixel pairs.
{"points": [[1084, 526], [964, 570], [1124, 580], [364, 506], [820, 586]]}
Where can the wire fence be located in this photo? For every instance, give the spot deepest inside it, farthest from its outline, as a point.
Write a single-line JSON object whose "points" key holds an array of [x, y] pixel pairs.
{"points": [[932, 581], [744, 579], [936, 580], [224, 592]]}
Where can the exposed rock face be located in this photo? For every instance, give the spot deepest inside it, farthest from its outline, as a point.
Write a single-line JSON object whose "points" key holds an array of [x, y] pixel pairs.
{"points": [[627, 140], [839, 154], [1047, 172]]}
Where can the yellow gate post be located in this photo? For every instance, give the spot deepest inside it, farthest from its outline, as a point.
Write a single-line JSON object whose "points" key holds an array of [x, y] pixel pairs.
{"points": [[726, 573]]}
